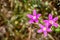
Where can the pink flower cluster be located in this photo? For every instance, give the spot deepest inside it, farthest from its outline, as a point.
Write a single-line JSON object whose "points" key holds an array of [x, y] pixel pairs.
{"points": [[46, 27]]}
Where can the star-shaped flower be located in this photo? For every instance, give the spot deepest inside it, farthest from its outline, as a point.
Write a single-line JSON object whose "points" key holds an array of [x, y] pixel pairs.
{"points": [[51, 20], [44, 29], [34, 17]]}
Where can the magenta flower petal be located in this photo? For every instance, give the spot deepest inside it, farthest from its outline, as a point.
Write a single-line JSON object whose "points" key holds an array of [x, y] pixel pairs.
{"points": [[47, 24], [45, 21], [38, 15], [31, 21], [34, 12], [39, 31], [30, 16], [50, 16], [56, 25], [55, 19], [41, 26], [45, 34], [36, 21], [49, 30]]}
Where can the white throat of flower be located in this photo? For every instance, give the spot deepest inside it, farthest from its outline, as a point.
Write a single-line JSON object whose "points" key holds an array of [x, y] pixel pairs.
{"points": [[34, 17], [51, 22], [44, 28]]}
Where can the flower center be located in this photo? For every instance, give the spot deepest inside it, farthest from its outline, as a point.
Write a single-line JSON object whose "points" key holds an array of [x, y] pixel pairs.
{"points": [[34, 17], [44, 29], [51, 22]]}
